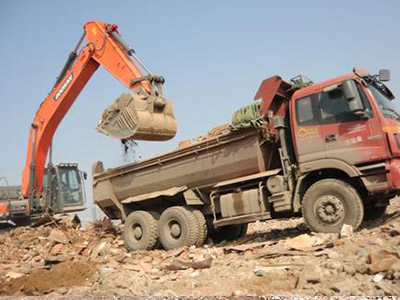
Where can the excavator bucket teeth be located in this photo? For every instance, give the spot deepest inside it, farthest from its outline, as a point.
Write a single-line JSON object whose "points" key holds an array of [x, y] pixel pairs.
{"points": [[139, 117]]}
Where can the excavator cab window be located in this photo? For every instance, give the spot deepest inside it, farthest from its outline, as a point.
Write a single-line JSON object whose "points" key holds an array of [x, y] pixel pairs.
{"points": [[71, 196]]}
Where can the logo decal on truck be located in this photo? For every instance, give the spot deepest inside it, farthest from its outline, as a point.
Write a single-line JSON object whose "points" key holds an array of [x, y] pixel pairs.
{"points": [[357, 128], [303, 132], [64, 87]]}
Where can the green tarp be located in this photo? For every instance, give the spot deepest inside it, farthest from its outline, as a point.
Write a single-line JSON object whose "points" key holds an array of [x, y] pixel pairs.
{"points": [[247, 116]]}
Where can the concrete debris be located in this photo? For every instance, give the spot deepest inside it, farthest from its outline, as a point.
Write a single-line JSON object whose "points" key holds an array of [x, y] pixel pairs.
{"points": [[304, 242], [346, 231], [239, 293], [310, 274], [262, 271], [183, 265], [381, 261], [60, 258], [58, 236], [377, 278], [14, 275], [245, 247]]}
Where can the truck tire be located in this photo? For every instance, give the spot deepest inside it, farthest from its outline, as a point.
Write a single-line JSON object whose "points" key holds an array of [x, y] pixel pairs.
{"points": [[140, 231], [178, 227], [201, 222], [330, 203], [374, 213], [228, 233], [22, 222]]}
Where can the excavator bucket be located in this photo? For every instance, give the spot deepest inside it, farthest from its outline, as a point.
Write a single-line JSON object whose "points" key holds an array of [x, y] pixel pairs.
{"points": [[139, 116]]}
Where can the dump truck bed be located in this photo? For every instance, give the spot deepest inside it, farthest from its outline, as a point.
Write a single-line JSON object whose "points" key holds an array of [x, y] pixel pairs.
{"points": [[202, 164]]}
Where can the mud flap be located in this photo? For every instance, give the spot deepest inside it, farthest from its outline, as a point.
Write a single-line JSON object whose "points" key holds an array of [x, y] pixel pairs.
{"points": [[139, 116]]}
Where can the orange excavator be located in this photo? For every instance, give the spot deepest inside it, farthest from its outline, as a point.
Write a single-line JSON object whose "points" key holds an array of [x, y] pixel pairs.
{"points": [[142, 114]]}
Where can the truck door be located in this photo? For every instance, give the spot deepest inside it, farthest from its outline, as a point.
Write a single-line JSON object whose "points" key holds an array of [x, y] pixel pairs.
{"points": [[347, 136], [307, 132]]}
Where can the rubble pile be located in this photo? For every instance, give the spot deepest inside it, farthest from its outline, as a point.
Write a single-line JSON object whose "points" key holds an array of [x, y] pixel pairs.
{"points": [[59, 257]]}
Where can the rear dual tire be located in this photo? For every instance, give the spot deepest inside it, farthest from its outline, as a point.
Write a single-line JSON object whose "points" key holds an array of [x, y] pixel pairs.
{"points": [[180, 226], [141, 230]]}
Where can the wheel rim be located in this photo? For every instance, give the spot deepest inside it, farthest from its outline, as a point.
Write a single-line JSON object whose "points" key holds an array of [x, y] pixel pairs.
{"points": [[329, 209], [174, 229], [136, 231]]}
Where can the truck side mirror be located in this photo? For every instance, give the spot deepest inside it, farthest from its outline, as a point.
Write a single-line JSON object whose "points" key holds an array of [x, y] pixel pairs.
{"points": [[384, 75], [350, 92]]}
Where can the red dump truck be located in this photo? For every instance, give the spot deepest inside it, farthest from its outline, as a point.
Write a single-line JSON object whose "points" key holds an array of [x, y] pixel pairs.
{"points": [[330, 151]]}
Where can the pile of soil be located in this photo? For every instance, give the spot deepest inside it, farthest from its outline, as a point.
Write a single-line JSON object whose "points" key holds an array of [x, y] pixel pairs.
{"points": [[42, 281]]}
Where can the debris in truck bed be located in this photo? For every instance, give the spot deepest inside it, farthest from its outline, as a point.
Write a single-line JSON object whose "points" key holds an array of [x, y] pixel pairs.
{"points": [[275, 257]]}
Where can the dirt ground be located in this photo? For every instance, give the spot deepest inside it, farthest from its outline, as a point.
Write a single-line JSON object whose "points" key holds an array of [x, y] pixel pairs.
{"points": [[278, 257]]}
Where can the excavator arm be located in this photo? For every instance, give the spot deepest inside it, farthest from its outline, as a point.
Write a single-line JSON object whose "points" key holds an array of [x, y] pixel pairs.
{"points": [[142, 114]]}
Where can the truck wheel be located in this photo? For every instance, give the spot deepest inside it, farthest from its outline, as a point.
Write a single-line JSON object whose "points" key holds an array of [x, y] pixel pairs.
{"points": [[140, 231], [330, 203], [201, 222], [228, 233], [375, 212], [21, 222], [178, 227]]}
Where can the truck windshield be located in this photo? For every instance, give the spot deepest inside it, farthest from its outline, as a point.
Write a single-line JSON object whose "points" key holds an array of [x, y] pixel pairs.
{"points": [[386, 106]]}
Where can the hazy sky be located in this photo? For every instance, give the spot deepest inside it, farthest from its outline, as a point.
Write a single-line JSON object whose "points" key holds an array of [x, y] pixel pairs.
{"points": [[213, 54]]}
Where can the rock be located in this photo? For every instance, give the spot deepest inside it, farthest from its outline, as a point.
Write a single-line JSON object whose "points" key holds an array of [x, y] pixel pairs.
{"points": [[361, 268], [263, 271], [239, 293], [389, 288], [62, 291], [381, 261], [184, 265], [55, 259], [311, 274], [194, 274], [56, 249], [333, 254], [377, 278], [396, 267], [14, 275], [362, 253], [122, 283], [345, 288], [346, 231], [303, 242], [334, 265], [349, 270], [58, 236], [99, 249]]}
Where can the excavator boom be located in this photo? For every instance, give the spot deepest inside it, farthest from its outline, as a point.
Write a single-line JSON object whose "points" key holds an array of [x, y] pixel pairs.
{"points": [[142, 114]]}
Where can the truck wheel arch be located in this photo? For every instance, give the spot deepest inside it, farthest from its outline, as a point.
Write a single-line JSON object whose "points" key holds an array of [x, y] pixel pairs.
{"points": [[325, 164], [317, 174]]}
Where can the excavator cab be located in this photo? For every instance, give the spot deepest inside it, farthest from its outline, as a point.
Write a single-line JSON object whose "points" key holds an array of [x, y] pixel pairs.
{"points": [[63, 188]]}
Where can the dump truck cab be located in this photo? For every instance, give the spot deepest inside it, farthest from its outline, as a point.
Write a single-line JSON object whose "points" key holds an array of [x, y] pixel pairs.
{"points": [[349, 125]]}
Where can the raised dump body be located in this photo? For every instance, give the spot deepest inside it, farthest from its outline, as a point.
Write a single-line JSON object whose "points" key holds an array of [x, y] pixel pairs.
{"points": [[199, 165]]}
